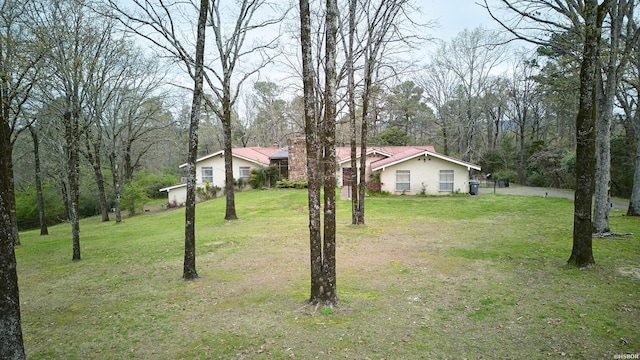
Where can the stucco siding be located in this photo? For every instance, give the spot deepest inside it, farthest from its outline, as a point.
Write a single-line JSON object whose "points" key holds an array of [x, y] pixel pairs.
{"points": [[178, 196], [217, 165], [425, 172]]}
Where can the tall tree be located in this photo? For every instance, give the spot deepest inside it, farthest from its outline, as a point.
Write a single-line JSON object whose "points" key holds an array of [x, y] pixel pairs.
{"points": [[311, 142], [269, 126], [628, 98], [44, 230], [582, 252], [80, 41], [381, 35], [522, 99], [190, 212], [440, 84], [320, 144], [585, 18], [232, 58], [472, 56], [11, 345], [18, 69], [328, 293], [619, 46], [158, 27], [357, 213], [408, 113]]}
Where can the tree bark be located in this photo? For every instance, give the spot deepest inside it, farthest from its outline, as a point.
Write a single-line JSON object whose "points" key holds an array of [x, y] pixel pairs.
{"points": [[44, 230], [11, 343], [582, 252], [73, 167], [311, 142], [196, 106], [634, 199], [329, 296], [96, 164], [116, 186], [353, 181], [230, 208]]}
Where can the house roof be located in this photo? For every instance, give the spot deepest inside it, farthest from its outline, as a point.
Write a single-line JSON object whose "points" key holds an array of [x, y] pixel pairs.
{"points": [[169, 188], [258, 155], [392, 155], [411, 152], [343, 154], [281, 154]]}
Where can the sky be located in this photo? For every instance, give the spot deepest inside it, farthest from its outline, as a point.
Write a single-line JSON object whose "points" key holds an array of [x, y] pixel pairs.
{"points": [[456, 15]]}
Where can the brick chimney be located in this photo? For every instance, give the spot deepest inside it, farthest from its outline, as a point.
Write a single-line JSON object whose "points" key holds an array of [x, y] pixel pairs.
{"points": [[297, 158]]}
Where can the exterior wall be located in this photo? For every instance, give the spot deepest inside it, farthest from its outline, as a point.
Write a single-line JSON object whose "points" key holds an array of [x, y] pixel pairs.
{"points": [[370, 158], [217, 163], [427, 172], [178, 196]]}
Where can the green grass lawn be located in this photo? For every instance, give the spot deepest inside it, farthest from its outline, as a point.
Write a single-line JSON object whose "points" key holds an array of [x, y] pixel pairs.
{"points": [[426, 278]]}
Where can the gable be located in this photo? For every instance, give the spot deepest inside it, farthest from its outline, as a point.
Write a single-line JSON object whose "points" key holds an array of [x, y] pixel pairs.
{"points": [[255, 155], [410, 153]]}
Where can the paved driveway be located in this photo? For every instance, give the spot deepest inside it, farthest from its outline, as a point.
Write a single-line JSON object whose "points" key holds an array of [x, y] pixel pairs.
{"points": [[618, 203]]}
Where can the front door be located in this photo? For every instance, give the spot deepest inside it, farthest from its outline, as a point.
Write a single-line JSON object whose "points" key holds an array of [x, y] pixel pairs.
{"points": [[346, 176]]}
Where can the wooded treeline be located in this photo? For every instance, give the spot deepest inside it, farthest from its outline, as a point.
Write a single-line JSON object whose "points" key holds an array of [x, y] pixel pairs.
{"points": [[472, 99], [96, 116]]}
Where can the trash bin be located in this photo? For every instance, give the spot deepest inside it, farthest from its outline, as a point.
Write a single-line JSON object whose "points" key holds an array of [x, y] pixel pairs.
{"points": [[506, 182], [474, 186]]}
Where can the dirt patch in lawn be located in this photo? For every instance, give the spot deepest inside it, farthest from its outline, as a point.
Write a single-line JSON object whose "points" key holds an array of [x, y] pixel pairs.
{"points": [[631, 271]]}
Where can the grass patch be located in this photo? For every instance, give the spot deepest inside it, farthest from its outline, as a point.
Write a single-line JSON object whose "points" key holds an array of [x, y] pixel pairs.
{"points": [[426, 277]]}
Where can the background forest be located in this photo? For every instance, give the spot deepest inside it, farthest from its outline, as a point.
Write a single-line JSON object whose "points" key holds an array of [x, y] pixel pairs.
{"points": [[122, 104], [95, 114]]}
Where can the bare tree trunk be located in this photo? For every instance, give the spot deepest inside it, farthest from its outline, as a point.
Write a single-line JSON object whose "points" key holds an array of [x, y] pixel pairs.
{"points": [[582, 252], [353, 181], [12, 212], [364, 133], [230, 208], [315, 240], [523, 151], [602, 199], [71, 137], [634, 200], [38, 177], [11, 343], [94, 160], [616, 62], [116, 185], [196, 106], [329, 296], [65, 199]]}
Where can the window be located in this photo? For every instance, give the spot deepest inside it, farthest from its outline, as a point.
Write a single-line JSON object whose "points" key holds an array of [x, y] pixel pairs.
{"points": [[245, 172], [446, 180], [403, 180], [207, 174]]}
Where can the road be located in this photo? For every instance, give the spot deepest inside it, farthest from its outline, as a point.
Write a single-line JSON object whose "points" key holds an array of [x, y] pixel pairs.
{"points": [[618, 203]]}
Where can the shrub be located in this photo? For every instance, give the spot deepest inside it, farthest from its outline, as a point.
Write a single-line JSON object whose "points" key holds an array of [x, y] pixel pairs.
{"points": [[152, 183], [133, 197], [263, 177], [374, 186], [292, 184], [27, 206], [239, 183], [208, 191]]}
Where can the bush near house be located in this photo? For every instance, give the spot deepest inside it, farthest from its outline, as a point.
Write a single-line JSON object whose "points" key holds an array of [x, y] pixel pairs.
{"points": [[263, 177], [292, 184]]}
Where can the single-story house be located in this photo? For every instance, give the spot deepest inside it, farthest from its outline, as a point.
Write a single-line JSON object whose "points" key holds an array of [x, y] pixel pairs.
{"points": [[402, 169], [210, 169], [418, 169]]}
